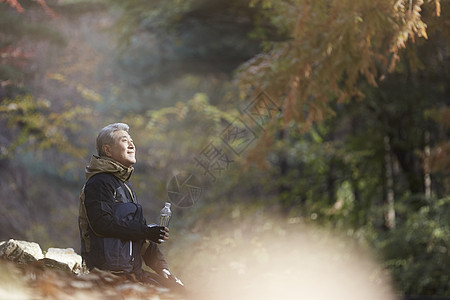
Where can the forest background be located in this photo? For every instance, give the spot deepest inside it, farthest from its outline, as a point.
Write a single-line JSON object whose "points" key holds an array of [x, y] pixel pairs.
{"points": [[294, 118]]}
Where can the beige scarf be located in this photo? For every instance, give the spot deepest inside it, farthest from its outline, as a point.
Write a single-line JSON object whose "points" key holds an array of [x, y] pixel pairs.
{"points": [[105, 164]]}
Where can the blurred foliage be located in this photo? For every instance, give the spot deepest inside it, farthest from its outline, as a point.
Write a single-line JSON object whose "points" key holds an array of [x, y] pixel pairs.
{"points": [[363, 88], [332, 45], [40, 127], [417, 251], [186, 33]]}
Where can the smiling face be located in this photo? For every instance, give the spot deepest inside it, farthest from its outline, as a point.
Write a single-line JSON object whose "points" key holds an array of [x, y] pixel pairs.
{"points": [[123, 149]]}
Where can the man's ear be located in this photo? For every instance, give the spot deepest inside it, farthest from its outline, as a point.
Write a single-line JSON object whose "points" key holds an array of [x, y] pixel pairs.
{"points": [[107, 150]]}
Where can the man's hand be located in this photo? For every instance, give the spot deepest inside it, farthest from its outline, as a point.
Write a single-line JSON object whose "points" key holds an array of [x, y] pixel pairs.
{"points": [[157, 234], [167, 275]]}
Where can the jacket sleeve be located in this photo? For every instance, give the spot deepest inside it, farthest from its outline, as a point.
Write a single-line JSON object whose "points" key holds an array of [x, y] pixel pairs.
{"points": [[101, 210], [153, 257]]}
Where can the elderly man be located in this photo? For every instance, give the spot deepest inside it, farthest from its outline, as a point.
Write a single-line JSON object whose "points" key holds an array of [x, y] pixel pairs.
{"points": [[114, 233]]}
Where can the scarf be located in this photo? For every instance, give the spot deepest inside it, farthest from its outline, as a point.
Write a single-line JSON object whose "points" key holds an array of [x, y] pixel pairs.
{"points": [[105, 164]]}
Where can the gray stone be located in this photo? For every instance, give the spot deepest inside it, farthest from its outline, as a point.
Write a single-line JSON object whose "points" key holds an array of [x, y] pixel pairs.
{"points": [[66, 259], [25, 252], [21, 251]]}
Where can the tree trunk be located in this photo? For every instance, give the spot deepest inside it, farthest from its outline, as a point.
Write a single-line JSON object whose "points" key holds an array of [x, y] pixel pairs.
{"points": [[389, 201], [426, 166]]}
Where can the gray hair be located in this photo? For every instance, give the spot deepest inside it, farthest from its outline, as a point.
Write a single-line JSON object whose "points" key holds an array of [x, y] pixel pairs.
{"points": [[106, 136]]}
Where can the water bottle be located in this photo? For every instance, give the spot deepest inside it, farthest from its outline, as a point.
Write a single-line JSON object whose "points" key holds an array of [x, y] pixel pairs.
{"points": [[166, 213]]}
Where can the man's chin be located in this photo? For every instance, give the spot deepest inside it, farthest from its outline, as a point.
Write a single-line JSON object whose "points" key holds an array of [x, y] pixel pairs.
{"points": [[129, 163]]}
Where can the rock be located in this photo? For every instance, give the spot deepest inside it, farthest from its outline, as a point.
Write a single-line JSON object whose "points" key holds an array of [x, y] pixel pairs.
{"points": [[26, 252], [65, 259], [21, 251]]}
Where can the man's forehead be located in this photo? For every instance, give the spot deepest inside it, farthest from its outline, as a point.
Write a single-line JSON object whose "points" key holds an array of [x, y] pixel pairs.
{"points": [[121, 134]]}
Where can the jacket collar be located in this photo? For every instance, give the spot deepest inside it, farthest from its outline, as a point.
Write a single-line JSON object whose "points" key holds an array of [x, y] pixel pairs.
{"points": [[103, 164]]}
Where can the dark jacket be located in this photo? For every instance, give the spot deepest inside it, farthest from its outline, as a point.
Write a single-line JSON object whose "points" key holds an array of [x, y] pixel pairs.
{"points": [[112, 226]]}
